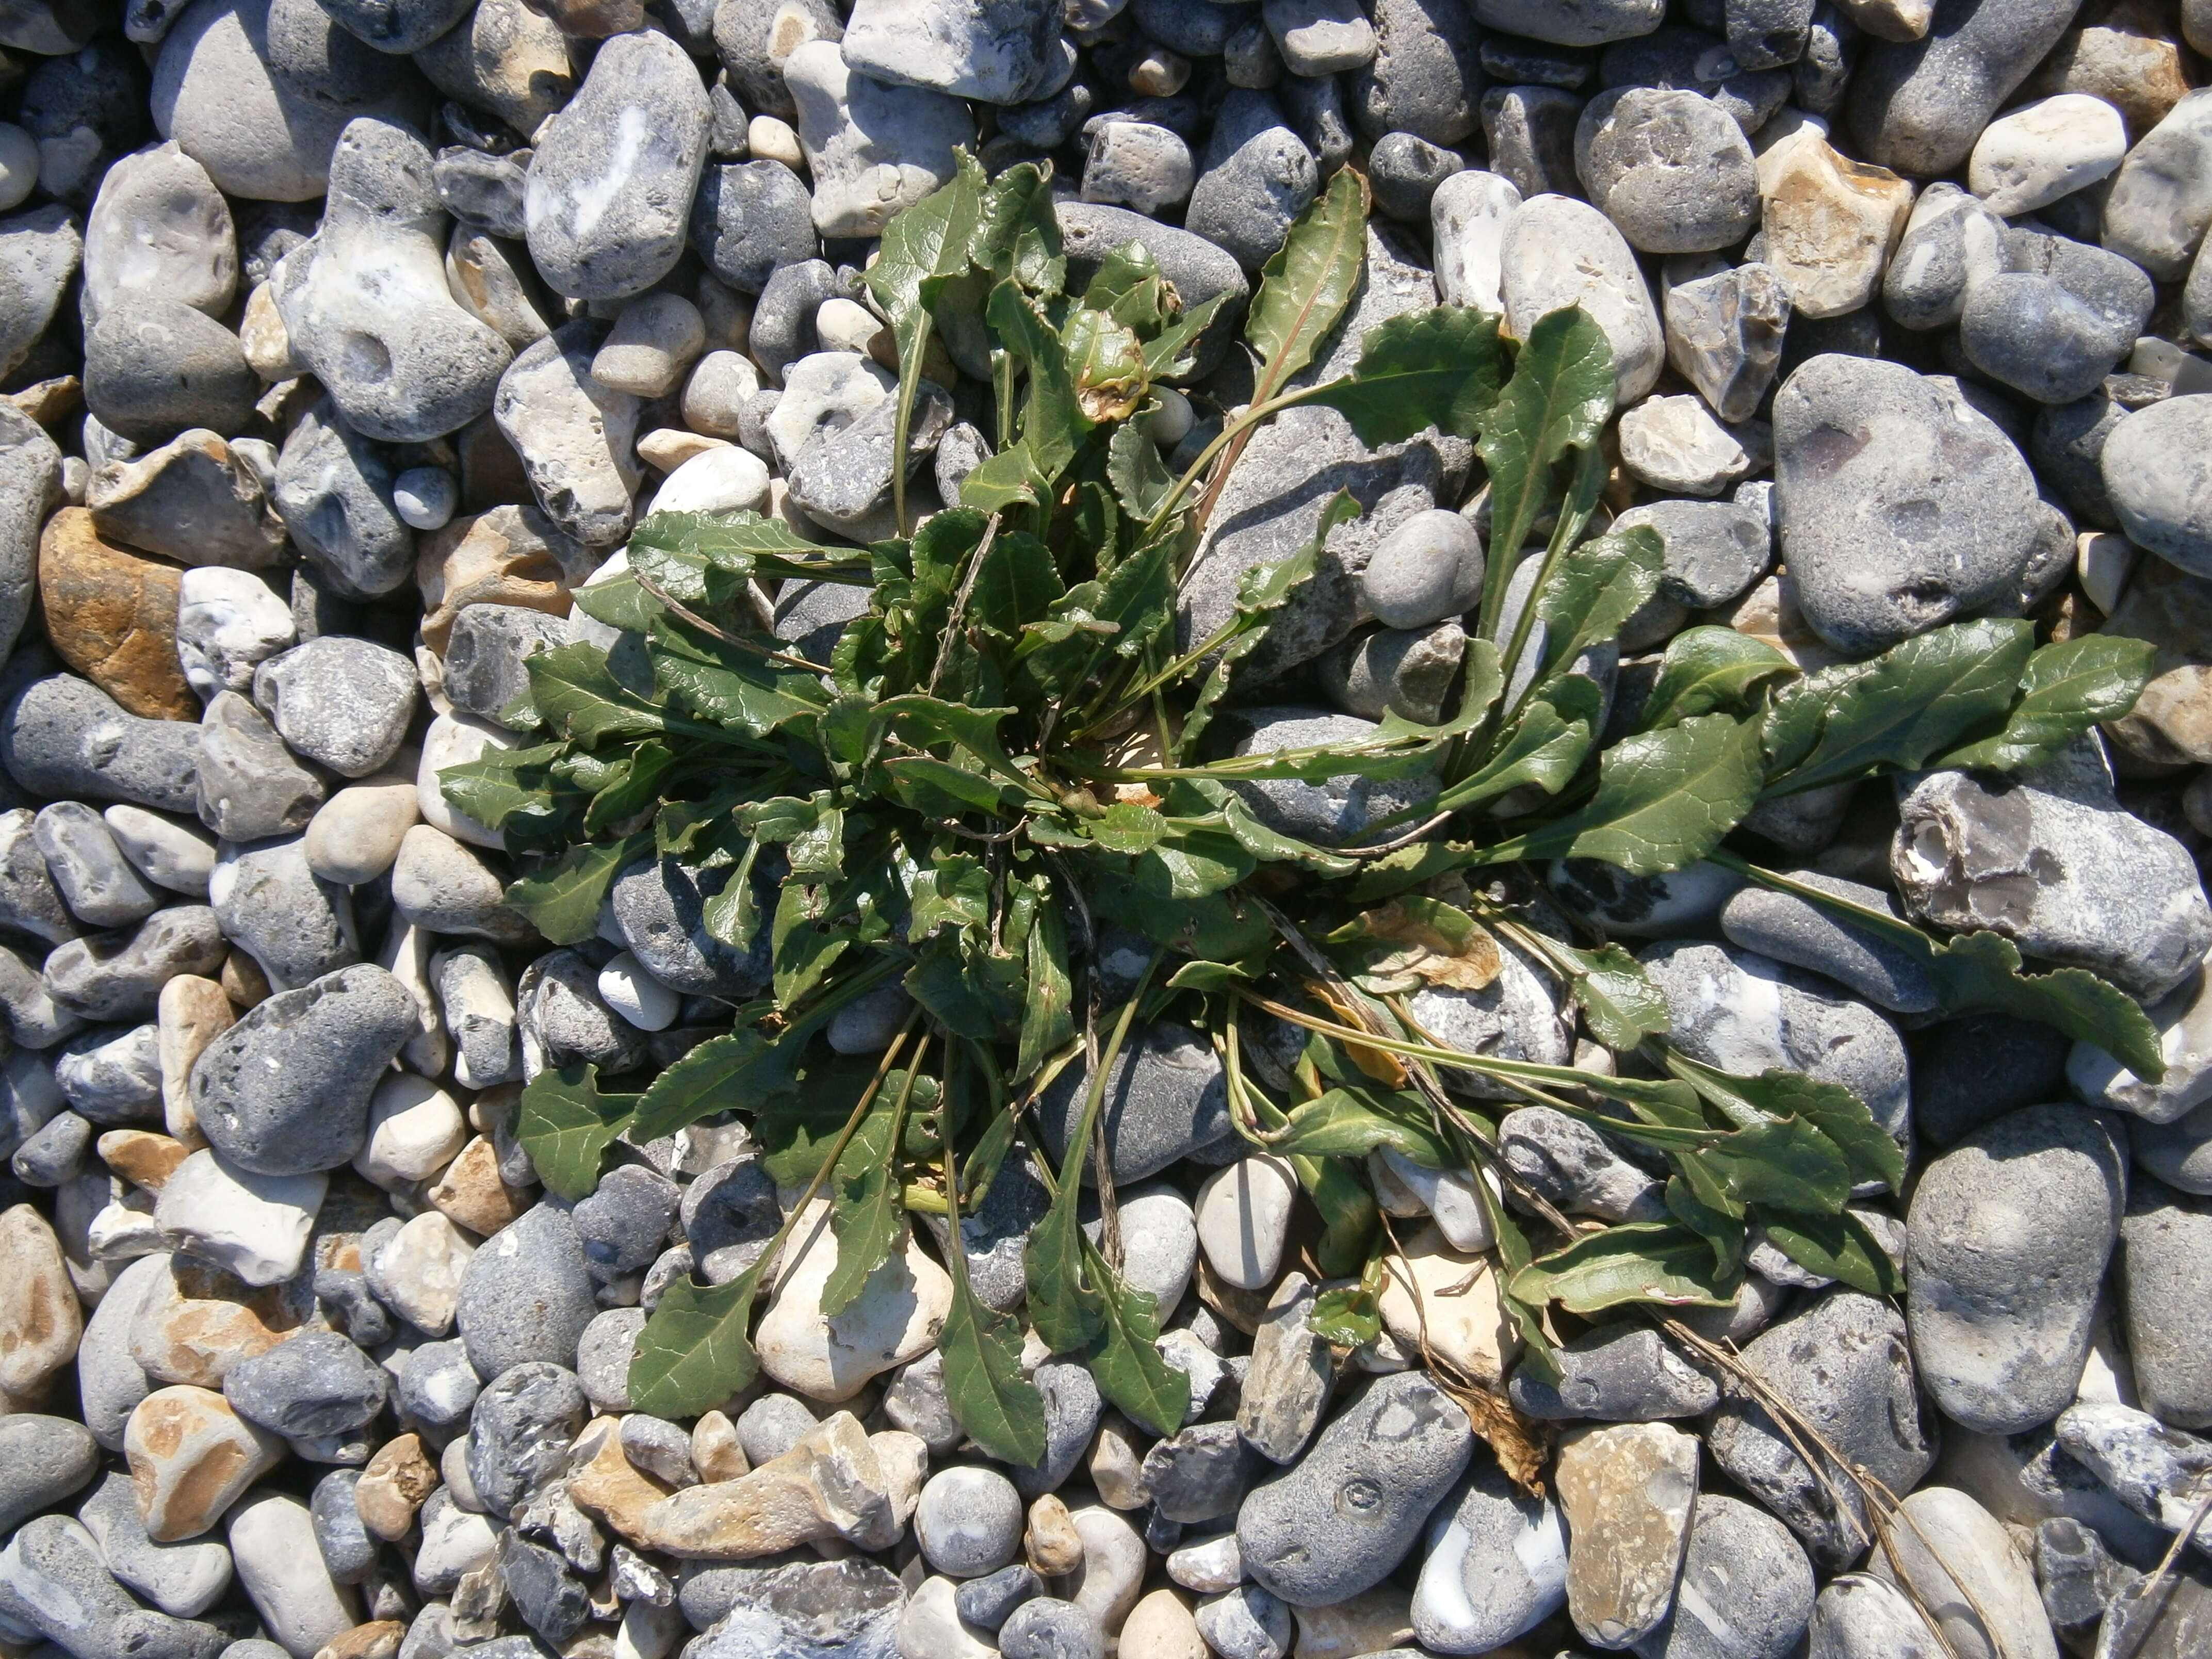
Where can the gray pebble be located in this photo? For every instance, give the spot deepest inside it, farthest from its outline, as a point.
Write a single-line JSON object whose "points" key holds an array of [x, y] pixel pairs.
{"points": [[334, 491], [2057, 320], [113, 1078], [349, 1552], [1725, 324], [1255, 177], [64, 738], [1805, 935], [1618, 1374], [2154, 469], [119, 976], [1713, 550], [783, 321], [317, 1386], [749, 220], [968, 1522], [575, 437], [55, 1153], [1918, 106], [298, 926], [98, 883], [1072, 1405], [2165, 1247], [184, 1579], [1745, 1591], [1043, 1628], [155, 367], [343, 702], [564, 1020], [1165, 1097], [1574, 1166], [520, 1433], [1200, 269], [1670, 169], [1951, 245], [52, 1582], [485, 192], [285, 1090], [1336, 809], [526, 1294], [250, 786], [437, 1386], [2158, 207], [1424, 75], [43, 1459]]}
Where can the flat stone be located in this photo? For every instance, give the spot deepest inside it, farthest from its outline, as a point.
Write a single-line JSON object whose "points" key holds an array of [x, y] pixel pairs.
{"points": [[1292, 1373], [1558, 252], [1618, 1374], [254, 1225], [1746, 1587], [1010, 54], [1627, 1493], [1165, 1097], [1955, 1550], [1451, 1301], [1804, 935], [62, 738]]}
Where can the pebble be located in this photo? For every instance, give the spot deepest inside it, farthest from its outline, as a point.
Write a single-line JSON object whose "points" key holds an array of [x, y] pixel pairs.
{"points": [[254, 1224], [2153, 467], [2035, 154], [250, 788], [575, 437], [356, 833], [1558, 252], [1165, 1097], [228, 621], [1496, 1566], [1243, 1214], [2162, 1240], [191, 1457], [292, 1589], [343, 703], [183, 1579], [526, 1294], [1627, 1494], [1254, 177], [968, 1524], [1960, 1558], [1827, 222], [175, 856], [65, 738], [1745, 1591], [47, 1460]]}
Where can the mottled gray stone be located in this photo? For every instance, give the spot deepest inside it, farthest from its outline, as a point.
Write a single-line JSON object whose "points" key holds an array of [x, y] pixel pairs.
{"points": [[1618, 1374], [1918, 106], [1670, 169], [751, 219], [343, 702], [64, 738], [2155, 472], [1255, 177], [520, 1430], [270, 901], [2166, 1259], [1745, 1591], [1166, 1097], [1330, 812], [334, 492]]}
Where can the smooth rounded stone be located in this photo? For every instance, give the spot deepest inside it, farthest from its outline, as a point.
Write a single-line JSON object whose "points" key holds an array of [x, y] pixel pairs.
{"points": [[1090, 232], [895, 1318], [55, 1153], [1918, 105], [1165, 1098], [562, 1019], [1255, 177], [1406, 672], [873, 149], [1467, 218], [1901, 506], [173, 855], [2032, 156], [30, 489], [603, 1361], [1245, 1623], [111, 1077], [2057, 320], [2163, 1245], [101, 888], [334, 491], [228, 622], [415, 1129], [1349, 1512], [750, 219], [986, 1602], [1745, 1591], [2081, 880], [436, 1387], [182, 1579], [1960, 1558], [1197, 1475], [39, 252], [286, 1091], [1618, 1374], [969, 1523], [270, 903], [1796, 931], [1843, 1362], [348, 1550], [526, 1294], [520, 1430], [1407, 171], [576, 438], [299, 1604], [1628, 1494], [110, 1382], [624, 1222], [357, 835], [417, 1272], [484, 657], [317, 1386], [1713, 550], [64, 738], [503, 59], [250, 786], [40, 1321], [254, 1226], [154, 367], [1430, 568], [631, 991], [1331, 813], [477, 1005], [52, 1582], [424, 497], [1137, 165], [2007, 1241], [444, 887], [784, 325], [43, 1459], [343, 702], [1859, 1616], [2159, 205], [1953, 243], [772, 1425], [660, 909], [715, 394], [2155, 471], [1496, 1566], [191, 1455], [455, 1540], [158, 225], [2179, 1152], [1671, 171], [1558, 252], [1072, 1405], [1674, 444], [1571, 22], [731, 480], [1011, 53], [1243, 1216]]}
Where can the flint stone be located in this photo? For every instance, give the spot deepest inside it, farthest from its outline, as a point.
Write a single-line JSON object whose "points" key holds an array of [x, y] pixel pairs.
{"points": [[154, 367], [1918, 106], [1618, 1374], [1804, 935], [995, 51], [343, 702], [1166, 1097], [2164, 1244], [526, 1295], [1255, 177], [1495, 1567], [576, 438], [334, 492], [2161, 197], [750, 220], [1745, 1591], [271, 902], [872, 149], [1628, 1493], [2155, 473], [65, 738], [1951, 245], [1670, 169]]}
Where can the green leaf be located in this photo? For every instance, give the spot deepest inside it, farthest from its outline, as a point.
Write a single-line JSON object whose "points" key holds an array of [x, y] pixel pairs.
{"points": [[1618, 1001], [578, 698], [1560, 399], [1008, 479], [1595, 588], [864, 1197], [1635, 1261], [1015, 586], [1981, 973], [502, 784], [1781, 1161], [563, 903], [1172, 354], [740, 1068], [1345, 1123], [1349, 1217], [697, 1351], [1545, 747], [1896, 710], [952, 890], [2065, 689], [1345, 1317], [1053, 422], [806, 939], [1000, 1409], [619, 601], [726, 683], [1664, 799], [1140, 478], [1062, 1307], [1127, 828], [1019, 234], [566, 1125], [1047, 1021], [1710, 670], [1442, 367], [1870, 1153], [637, 788], [1305, 286], [1838, 1246], [1130, 1369]]}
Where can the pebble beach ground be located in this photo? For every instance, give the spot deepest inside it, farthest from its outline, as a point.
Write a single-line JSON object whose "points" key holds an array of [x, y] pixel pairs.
{"points": [[342, 341]]}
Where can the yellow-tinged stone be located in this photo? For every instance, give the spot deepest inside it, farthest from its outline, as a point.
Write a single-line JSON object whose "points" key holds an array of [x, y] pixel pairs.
{"points": [[470, 1195], [141, 1157], [832, 1484], [197, 1321], [1829, 222], [509, 556], [192, 1457], [398, 1479], [716, 1452], [1451, 1300], [607, 1485], [40, 1321], [1627, 1490], [111, 614], [1051, 1542], [192, 1013], [379, 1639], [1160, 1627]]}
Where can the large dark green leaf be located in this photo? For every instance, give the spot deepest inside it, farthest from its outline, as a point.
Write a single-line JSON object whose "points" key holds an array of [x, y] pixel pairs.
{"points": [[864, 1199], [1305, 286], [503, 783], [1015, 586], [1869, 1152], [1779, 1160], [806, 939], [1052, 420], [727, 684], [740, 1068], [563, 903], [1636, 1261], [1981, 973], [1708, 670], [1896, 710], [566, 1125], [1140, 478], [1595, 588], [1664, 799], [578, 698], [1618, 1001], [696, 1349], [1131, 1371], [1046, 1020], [2065, 689], [1838, 1246], [635, 787], [1345, 1123], [1442, 367]]}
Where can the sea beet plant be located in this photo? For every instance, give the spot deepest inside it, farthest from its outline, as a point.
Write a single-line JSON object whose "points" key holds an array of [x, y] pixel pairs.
{"points": [[1015, 746]]}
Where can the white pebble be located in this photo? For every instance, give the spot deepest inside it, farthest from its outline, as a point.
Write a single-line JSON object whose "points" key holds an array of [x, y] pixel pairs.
{"points": [[2032, 156], [425, 497], [771, 140], [635, 994], [844, 324], [1244, 1215], [2104, 562], [19, 165], [723, 480]]}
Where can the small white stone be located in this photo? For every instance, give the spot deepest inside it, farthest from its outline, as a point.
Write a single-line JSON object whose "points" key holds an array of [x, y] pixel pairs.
{"points": [[631, 991], [255, 1225], [271, 1546], [19, 165], [425, 497], [1159, 1242], [666, 448], [1558, 252], [166, 851], [2031, 156], [716, 396], [1951, 1541], [1211, 1568], [355, 835], [415, 1129], [455, 1540], [843, 325], [1114, 1563], [417, 1272], [1243, 1216], [2103, 562], [125, 1230], [228, 621], [723, 480], [772, 140], [896, 1318], [1677, 445], [1469, 214], [930, 1625]]}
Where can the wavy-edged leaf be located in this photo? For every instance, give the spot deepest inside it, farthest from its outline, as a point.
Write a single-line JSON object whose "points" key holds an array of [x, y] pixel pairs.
{"points": [[1664, 799], [503, 783], [635, 787], [562, 901], [1063, 1308], [864, 1198], [1442, 367], [1780, 1161], [1140, 478], [1052, 418], [1343, 1123], [1708, 670], [1046, 1020], [1869, 1151], [1001, 1410], [1981, 972], [1130, 1369], [1172, 354], [1839, 1247], [1595, 588], [577, 698], [728, 684], [1305, 286], [1654, 1262], [740, 1068], [619, 601], [566, 1125], [696, 1349], [1618, 1001], [1895, 710], [2065, 690]]}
